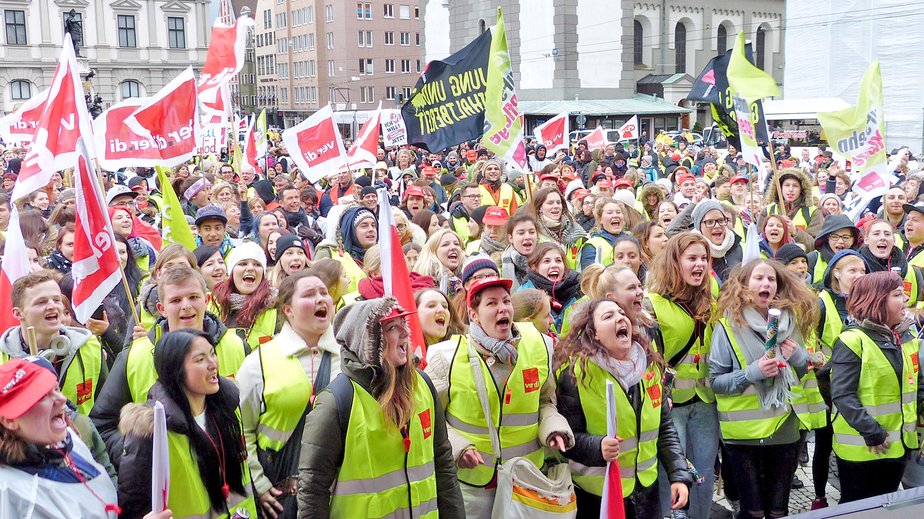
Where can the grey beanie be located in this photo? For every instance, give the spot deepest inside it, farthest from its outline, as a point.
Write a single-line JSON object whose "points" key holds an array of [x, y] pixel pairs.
{"points": [[358, 330], [699, 212]]}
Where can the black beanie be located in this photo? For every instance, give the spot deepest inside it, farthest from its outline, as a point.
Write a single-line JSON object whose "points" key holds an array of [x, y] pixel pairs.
{"points": [[789, 252]]}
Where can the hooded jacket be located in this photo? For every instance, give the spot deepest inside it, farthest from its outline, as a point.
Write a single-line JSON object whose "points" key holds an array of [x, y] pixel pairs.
{"points": [[359, 333], [831, 225], [115, 393], [805, 202]]}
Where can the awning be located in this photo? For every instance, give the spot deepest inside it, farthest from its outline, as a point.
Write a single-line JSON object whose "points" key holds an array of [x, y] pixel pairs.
{"points": [[777, 109], [639, 105]]}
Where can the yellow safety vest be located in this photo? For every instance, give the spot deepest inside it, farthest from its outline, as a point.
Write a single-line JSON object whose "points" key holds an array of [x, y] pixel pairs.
{"points": [[572, 254], [833, 323], [818, 273], [188, 496], [603, 250], [890, 400], [139, 364], [263, 329], [911, 280], [569, 311], [799, 220], [352, 269], [79, 379], [286, 394], [638, 450], [515, 418], [347, 299], [384, 473], [507, 198], [677, 331], [460, 225], [741, 416]]}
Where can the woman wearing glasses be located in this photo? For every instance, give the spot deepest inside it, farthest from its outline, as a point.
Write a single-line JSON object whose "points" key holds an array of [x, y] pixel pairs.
{"points": [[710, 220], [838, 233]]}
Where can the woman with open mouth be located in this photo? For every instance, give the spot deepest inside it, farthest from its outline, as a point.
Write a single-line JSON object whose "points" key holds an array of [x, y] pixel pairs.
{"points": [[762, 405], [523, 235], [334, 276], [210, 264], [680, 301], [611, 221], [879, 248], [357, 231], [603, 347], [436, 316], [245, 302], [839, 233], [208, 471], [279, 384], [291, 257], [710, 219], [795, 188], [773, 236], [549, 272], [556, 223], [379, 419], [512, 362], [441, 258]]}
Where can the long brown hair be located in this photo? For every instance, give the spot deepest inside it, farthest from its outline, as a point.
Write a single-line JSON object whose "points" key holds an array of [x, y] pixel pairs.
{"points": [[542, 195], [665, 277], [792, 294], [580, 344], [394, 387], [867, 299], [259, 301]]}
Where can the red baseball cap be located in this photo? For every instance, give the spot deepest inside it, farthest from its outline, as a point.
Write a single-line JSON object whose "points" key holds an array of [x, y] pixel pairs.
{"points": [[22, 385], [605, 183], [395, 313], [739, 178], [413, 191], [683, 178], [471, 155], [429, 170], [482, 284], [495, 215], [579, 194], [623, 182]]}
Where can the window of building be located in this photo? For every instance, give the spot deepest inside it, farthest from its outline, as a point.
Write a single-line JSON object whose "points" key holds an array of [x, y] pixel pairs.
{"points": [[481, 25], [309, 14], [330, 68], [20, 90], [406, 92], [405, 38], [127, 31], [390, 93], [417, 39], [15, 27], [389, 11], [680, 48], [405, 66], [365, 67], [365, 38], [404, 12], [760, 48], [417, 13], [721, 40], [130, 88], [328, 13], [389, 66], [267, 18], [638, 43], [418, 66], [283, 95], [330, 41], [176, 32], [389, 38], [310, 41], [363, 11], [367, 94], [312, 71]]}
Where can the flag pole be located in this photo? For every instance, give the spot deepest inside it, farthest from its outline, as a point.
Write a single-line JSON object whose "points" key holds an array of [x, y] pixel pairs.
{"points": [[128, 292], [776, 176]]}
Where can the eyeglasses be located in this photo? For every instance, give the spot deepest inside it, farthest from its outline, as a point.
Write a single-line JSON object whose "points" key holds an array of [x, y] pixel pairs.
{"points": [[472, 197], [843, 238], [715, 223]]}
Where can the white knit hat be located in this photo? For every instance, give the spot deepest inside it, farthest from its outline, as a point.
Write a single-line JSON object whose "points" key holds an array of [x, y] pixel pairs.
{"points": [[244, 251]]}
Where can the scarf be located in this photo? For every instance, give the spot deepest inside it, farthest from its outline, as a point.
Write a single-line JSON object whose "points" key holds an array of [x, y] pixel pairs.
{"points": [[57, 261], [896, 259], [505, 351], [627, 372], [719, 251], [751, 338], [561, 292], [514, 266], [564, 232], [237, 301], [491, 246]]}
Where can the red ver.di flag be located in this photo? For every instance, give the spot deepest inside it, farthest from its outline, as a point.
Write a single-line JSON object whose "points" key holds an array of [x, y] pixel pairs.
{"points": [[20, 125], [315, 145], [96, 268], [224, 60], [596, 140], [63, 121], [362, 153], [553, 134]]}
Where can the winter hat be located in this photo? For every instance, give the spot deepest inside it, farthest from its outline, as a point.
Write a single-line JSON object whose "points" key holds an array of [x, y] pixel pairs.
{"points": [[834, 223], [829, 272], [363, 181], [663, 182], [476, 263], [67, 194], [699, 212], [478, 214], [358, 328], [830, 195], [264, 189], [448, 179], [789, 252], [210, 212], [368, 190], [244, 251], [203, 253], [287, 242]]}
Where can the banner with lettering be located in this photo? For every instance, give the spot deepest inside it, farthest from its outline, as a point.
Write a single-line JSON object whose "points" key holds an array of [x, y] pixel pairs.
{"points": [[503, 125], [214, 139], [315, 145], [19, 126], [447, 105], [223, 61], [553, 134], [394, 132]]}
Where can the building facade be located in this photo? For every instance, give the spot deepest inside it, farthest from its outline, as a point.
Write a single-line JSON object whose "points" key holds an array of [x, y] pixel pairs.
{"points": [[132, 47]]}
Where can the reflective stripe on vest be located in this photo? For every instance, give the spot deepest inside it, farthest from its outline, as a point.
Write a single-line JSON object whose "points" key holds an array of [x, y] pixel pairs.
{"points": [[818, 273], [506, 198], [677, 328], [833, 324], [741, 416], [286, 392], [139, 364], [516, 417], [81, 376], [638, 451], [401, 483], [887, 399], [188, 497], [603, 250]]}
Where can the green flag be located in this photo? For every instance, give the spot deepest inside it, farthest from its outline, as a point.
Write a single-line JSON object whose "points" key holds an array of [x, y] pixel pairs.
{"points": [[503, 125], [745, 79], [173, 221]]}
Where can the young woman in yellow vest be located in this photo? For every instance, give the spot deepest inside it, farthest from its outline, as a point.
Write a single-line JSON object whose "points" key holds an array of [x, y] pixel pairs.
{"points": [[556, 223], [291, 257], [652, 238], [523, 235], [617, 283], [510, 397], [710, 218], [759, 419], [680, 301], [804, 216], [376, 443], [279, 383], [838, 233], [876, 387], [549, 272], [173, 254], [245, 301], [603, 346], [611, 220], [441, 258], [880, 250], [209, 476], [211, 265]]}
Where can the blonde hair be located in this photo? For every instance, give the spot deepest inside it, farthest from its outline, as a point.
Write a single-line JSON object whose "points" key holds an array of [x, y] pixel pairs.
{"points": [[597, 280], [372, 261], [428, 264], [666, 279], [527, 303]]}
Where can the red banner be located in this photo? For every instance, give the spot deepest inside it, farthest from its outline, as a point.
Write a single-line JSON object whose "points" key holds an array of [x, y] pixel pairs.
{"points": [[553, 134], [362, 153], [225, 58], [315, 145], [20, 125]]}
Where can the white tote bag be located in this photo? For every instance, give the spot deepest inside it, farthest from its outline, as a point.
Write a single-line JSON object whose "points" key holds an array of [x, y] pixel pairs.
{"points": [[523, 491]]}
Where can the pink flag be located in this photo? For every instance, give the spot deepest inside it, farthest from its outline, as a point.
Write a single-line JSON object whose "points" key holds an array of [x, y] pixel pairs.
{"points": [[20, 125], [251, 159], [395, 275], [96, 268], [63, 121], [15, 265], [629, 131], [315, 145], [553, 134], [362, 153], [596, 140]]}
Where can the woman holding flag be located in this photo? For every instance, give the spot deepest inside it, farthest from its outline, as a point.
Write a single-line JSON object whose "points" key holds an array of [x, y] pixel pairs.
{"points": [[605, 346]]}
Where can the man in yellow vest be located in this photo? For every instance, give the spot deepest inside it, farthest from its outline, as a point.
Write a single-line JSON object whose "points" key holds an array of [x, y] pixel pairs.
{"points": [[182, 305], [494, 191], [76, 354]]}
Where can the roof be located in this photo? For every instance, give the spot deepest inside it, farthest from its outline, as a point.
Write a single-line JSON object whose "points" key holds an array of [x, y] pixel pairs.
{"points": [[665, 79], [776, 109], [641, 104]]}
